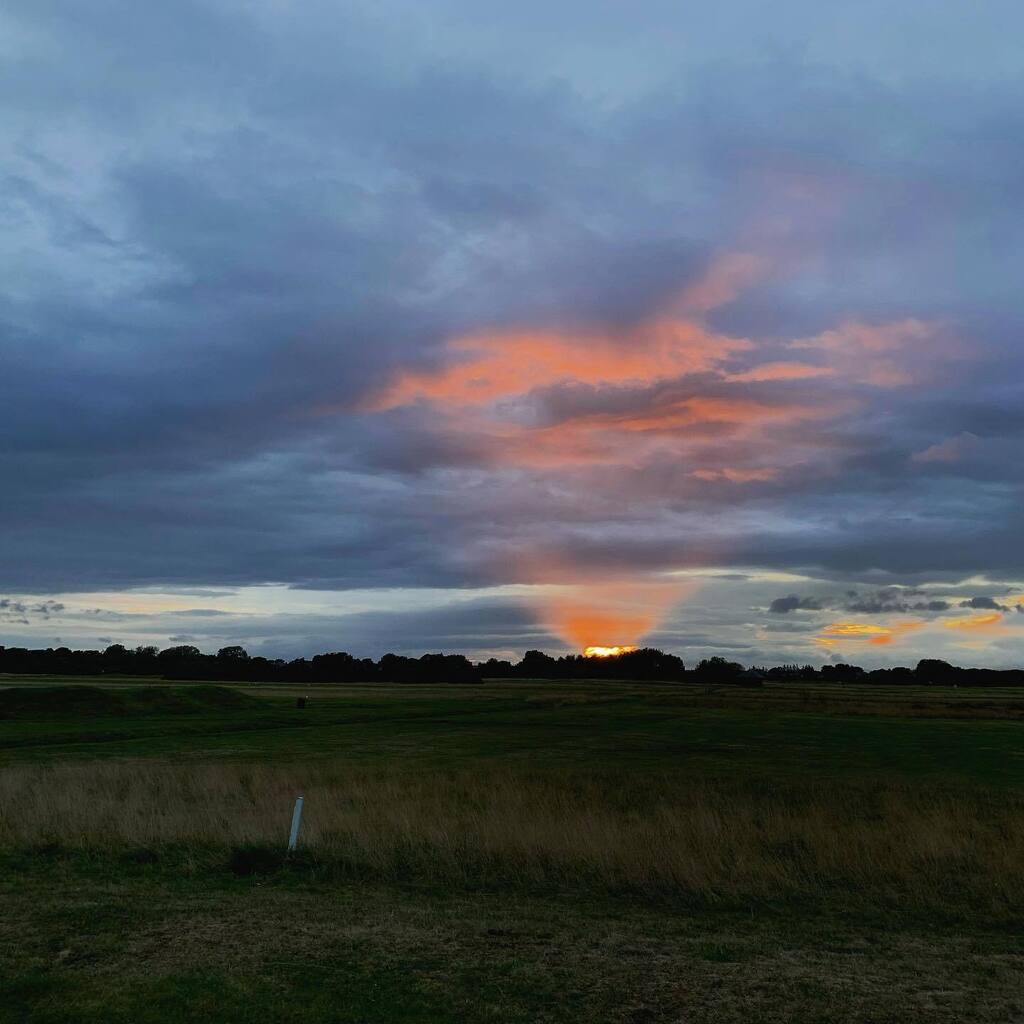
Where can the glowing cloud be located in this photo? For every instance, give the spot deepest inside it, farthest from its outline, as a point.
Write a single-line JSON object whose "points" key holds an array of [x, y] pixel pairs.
{"points": [[973, 622], [781, 371], [556, 399], [590, 407], [865, 632], [504, 364], [494, 365], [736, 476]]}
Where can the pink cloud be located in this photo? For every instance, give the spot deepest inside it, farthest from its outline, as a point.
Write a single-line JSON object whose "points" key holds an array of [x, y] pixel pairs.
{"points": [[953, 449], [888, 355]]}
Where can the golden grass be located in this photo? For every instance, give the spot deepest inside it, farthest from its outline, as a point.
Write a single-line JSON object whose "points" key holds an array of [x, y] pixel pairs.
{"points": [[708, 840]]}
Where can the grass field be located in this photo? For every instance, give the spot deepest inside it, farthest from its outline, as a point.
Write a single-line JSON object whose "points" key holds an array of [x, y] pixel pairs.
{"points": [[516, 851]]}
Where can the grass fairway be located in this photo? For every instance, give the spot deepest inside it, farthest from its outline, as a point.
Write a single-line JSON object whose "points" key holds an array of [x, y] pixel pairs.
{"points": [[510, 852]]}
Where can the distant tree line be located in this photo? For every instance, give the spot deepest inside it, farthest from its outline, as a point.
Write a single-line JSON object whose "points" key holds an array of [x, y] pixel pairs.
{"points": [[235, 664]]}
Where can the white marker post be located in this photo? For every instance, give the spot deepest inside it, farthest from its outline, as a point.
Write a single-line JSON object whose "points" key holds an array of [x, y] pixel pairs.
{"points": [[293, 839]]}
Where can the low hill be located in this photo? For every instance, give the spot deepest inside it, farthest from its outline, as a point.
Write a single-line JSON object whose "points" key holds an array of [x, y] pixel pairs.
{"points": [[36, 702]]}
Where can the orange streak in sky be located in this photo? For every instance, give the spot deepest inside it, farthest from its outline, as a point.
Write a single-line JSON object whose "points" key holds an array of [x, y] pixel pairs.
{"points": [[879, 636], [975, 621], [505, 364], [781, 371]]}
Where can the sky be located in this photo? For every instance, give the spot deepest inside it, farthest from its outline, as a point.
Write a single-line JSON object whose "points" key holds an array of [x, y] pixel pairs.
{"points": [[478, 327]]}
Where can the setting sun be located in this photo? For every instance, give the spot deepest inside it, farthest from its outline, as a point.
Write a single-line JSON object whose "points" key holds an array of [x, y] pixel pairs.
{"points": [[607, 652]]}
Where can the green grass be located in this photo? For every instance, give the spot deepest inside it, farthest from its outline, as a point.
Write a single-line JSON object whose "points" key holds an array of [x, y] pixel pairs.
{"points": [[616, 726], [172, 934]]}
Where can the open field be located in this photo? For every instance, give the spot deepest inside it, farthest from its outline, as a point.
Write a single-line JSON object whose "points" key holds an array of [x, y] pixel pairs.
{"points": [[516, 851]]}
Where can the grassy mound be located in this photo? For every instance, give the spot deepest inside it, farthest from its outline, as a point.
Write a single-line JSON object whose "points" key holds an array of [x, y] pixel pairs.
{"points": [[39, 702]]}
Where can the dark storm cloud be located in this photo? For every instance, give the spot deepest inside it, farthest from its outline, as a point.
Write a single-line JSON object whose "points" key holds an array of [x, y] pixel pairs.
{"points": [[892, 600], [226, 226], [792, 603], [984, 602], [12, 610], [886, 601]]}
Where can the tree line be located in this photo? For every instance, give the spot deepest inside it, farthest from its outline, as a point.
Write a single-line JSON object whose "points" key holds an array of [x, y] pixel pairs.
{"points": [[234, 664]]}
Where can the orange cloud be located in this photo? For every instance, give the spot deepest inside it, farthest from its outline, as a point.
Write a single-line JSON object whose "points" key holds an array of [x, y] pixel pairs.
{"points": [[865, 632], [736, 476], [689, 412], [499, 365], [627, 439], [494, 365], [975, 621], [491, 390], [781, 371]]}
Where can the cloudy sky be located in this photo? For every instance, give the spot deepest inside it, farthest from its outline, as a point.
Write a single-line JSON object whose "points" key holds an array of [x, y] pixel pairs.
{"points": [[483, 326]]}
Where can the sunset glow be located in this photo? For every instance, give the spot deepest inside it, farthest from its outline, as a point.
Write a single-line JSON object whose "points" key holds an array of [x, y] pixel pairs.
{"points": [[666, 397], [586, 613], [607, 652]]}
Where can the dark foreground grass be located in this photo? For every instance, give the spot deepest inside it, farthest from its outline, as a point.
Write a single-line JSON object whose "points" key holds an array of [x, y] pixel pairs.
{"points": [[106, 938]]}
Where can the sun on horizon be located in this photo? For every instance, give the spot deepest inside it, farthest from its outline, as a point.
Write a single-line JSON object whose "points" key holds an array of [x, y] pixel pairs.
{"points": [[596, 651]]}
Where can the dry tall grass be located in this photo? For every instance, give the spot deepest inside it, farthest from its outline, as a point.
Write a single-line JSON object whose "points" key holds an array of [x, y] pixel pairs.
{"points": [[709, 840]]}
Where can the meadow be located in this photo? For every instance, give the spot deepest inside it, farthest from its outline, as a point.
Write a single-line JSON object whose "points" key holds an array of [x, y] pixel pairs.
{"points": [[513, 851]]}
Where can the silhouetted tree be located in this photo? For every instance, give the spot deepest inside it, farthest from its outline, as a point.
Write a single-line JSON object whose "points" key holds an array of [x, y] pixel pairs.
{"points": [[939, 673], [233, 654], [718, 670], [185, 651], [536, 665], [841, 673], [232, 663], [493, 668]]}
